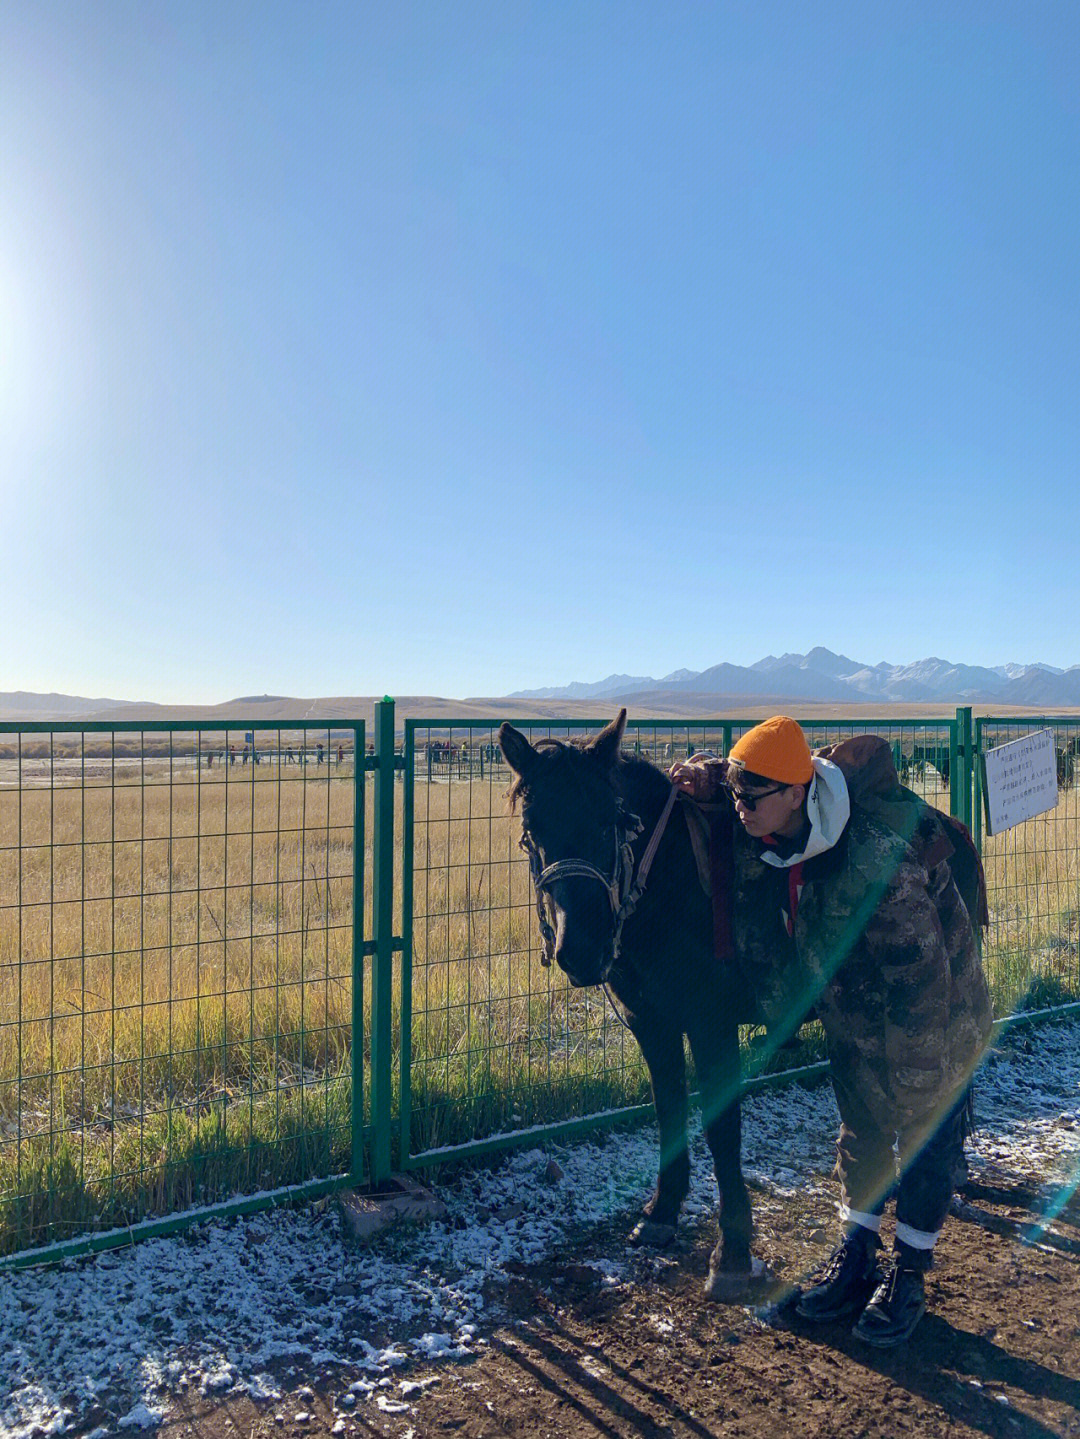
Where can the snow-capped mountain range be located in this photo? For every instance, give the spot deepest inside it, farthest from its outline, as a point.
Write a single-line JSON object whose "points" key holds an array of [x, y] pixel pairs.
{"points": [[822, 676]]}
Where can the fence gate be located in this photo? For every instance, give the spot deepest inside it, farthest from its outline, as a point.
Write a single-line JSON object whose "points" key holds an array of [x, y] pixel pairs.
{"points": [[494, 1048], [1033, 876], [181, 974]]}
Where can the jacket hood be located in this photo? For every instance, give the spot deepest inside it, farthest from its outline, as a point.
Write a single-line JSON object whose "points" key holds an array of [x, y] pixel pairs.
{"points": [[828, 808]]}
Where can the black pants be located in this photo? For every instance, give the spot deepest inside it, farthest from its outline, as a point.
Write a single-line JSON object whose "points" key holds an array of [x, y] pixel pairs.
{"points": [[866, 1165]]}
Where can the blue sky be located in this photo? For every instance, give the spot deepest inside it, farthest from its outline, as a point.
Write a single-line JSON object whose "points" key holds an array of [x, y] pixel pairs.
{"points": [[461, 348]]}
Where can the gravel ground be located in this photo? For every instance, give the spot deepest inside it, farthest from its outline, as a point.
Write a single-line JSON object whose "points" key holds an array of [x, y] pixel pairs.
{"points": [[524, 1311]]}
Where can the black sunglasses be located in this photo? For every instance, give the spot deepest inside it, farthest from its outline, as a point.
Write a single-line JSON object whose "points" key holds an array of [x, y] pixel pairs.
{"points": [[750, 799]]}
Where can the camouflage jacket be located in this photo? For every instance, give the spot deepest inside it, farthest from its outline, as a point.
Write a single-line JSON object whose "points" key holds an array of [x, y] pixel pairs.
{"points": [[883, 953]]}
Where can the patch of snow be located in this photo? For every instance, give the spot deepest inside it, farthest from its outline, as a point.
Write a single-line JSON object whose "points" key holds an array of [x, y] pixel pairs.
{"points": [[28, 1401], [390, 1406], [612, 1273], [262, 1386], [439, 1346], [141, 1417], [216, 1381], [409, 1387]]}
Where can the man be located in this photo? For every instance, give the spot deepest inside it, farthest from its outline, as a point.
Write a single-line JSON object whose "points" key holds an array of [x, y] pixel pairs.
{"points": [[839, 917]]}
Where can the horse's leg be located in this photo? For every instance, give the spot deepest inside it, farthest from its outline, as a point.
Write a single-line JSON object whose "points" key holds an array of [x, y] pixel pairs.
{"points": [[715, 1045], [662, 1050]]}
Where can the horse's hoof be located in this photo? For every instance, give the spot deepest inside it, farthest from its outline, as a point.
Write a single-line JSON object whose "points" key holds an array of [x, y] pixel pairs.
{"points": [[651, 1235], [738, 1286]]}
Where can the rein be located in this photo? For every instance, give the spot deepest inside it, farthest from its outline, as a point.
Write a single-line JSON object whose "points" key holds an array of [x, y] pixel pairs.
{"points": [[624, 887]]}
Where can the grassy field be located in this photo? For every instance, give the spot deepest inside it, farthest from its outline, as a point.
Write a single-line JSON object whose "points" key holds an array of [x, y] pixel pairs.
{"points": [[176, 979]]}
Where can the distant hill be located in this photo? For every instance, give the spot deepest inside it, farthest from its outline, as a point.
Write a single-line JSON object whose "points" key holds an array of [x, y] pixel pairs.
{"points": [[339, 708], [26, 705], [817, 678]]}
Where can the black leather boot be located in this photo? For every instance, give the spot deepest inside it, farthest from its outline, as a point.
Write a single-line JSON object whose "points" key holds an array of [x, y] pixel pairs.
{"points": [[846, 1280], [897, 1304]]}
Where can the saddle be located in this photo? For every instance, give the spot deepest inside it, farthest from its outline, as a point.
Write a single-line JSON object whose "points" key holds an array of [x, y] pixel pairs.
{"points": [[711, 843], [700, 827]]}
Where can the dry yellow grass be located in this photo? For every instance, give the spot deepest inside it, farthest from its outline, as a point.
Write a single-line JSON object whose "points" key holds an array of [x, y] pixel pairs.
{"points": [[176, 951]]}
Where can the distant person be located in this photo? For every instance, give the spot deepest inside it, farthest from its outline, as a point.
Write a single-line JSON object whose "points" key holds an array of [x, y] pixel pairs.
{"points": [[839, 917], [245, 758], [321, 753], [340, 754], [232, 754], [290, 758]]}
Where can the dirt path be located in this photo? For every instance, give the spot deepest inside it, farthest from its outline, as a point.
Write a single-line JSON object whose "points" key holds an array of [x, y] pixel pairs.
{"points": [[998, 1354]]}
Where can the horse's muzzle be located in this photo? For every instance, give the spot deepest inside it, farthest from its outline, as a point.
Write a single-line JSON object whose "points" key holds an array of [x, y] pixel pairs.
{"points": [[583, 956]]}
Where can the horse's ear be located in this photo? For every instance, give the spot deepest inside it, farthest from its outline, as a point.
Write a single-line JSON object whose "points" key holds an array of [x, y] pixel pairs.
{"points": [[519, 753], [606, 744]]}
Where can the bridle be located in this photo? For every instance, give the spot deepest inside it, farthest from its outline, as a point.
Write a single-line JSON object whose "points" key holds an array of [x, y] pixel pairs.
{"points": [[623, 887]]}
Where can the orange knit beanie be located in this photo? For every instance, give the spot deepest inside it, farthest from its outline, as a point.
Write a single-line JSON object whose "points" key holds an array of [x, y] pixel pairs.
{"points": [[777, 749]]}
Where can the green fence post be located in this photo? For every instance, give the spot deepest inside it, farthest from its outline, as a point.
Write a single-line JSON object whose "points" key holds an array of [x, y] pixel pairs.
{"points": [[408, 841], [977, 776], [967, 761], [956, 775], [356, 1166], [382, 988]]}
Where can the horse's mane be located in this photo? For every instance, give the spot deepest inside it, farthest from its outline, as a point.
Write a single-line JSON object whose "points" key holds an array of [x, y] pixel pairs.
{"points": [[632, 767]]}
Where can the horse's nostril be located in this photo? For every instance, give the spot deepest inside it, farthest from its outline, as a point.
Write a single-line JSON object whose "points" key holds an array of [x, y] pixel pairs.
{"points": [[583, 965]]}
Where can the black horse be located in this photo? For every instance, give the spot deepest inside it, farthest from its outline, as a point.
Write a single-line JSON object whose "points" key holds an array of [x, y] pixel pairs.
{"points": [[597, 824]]}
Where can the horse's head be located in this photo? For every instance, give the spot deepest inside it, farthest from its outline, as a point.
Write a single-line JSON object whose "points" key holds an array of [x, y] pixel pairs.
{"points": [[573, 829]]}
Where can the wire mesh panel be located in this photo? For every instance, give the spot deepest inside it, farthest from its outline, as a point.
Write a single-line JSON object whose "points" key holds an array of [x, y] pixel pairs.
{"points": [[176, 960], [495, 1042], [492, 1041], [1033, 879], [923, 750]]}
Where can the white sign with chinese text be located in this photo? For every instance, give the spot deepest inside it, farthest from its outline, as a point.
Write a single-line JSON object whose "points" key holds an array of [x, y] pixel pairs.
{"points": [[1020, 780]]}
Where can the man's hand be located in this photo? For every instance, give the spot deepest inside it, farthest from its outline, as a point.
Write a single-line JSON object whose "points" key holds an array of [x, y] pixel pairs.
{"points": [[701, 776]]}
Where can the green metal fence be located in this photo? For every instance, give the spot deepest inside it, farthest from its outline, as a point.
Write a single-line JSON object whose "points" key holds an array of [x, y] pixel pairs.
{"points": [[492, 1043], [181, 998], [1033, 875], [188, 1021]]}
